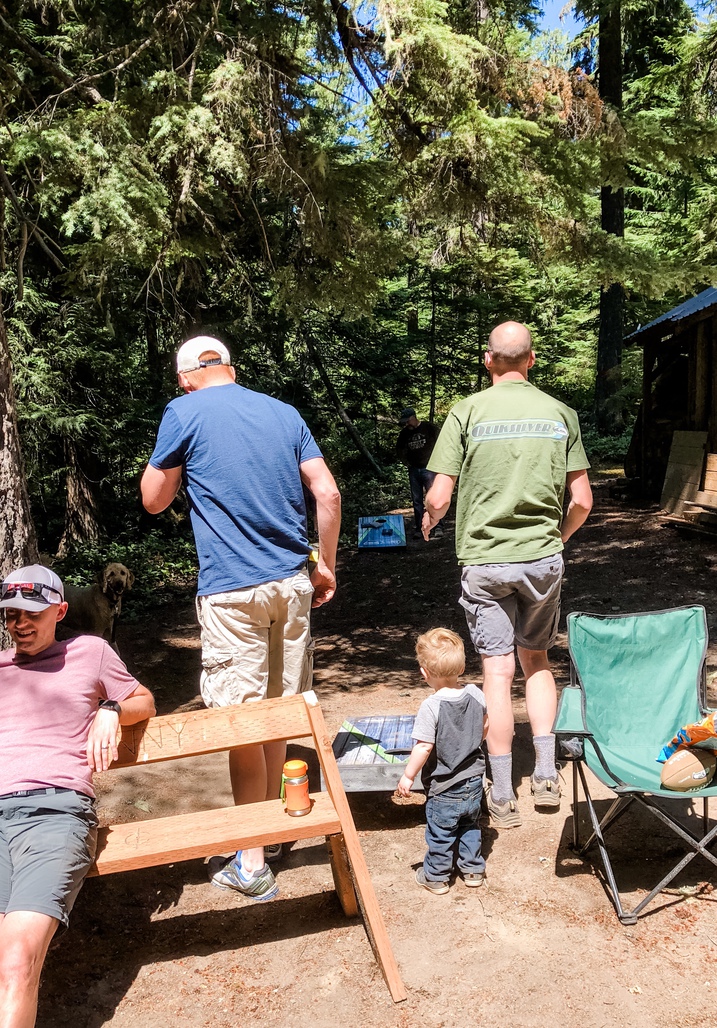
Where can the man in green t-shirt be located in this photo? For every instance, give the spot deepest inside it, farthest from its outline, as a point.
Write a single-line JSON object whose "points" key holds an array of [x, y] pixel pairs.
{"points": [[514, 449]]}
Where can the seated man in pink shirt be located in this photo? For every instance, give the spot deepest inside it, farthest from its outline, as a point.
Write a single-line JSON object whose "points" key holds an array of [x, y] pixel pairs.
{"points": [[61, 704]]}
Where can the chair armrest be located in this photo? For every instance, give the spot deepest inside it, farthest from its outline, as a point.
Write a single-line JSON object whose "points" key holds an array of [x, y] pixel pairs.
{"points": [[570, 719]]}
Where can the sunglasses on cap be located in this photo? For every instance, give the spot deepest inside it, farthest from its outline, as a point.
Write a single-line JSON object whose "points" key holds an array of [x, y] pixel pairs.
{"points": [[28, 591]]}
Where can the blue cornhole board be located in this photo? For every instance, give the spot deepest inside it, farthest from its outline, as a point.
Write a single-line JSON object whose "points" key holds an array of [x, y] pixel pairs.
{"points": [[372, 752], [381, 532]]}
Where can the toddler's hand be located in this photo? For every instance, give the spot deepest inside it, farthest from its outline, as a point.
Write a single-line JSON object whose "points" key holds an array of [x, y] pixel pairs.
{"points": [[404, 786]]}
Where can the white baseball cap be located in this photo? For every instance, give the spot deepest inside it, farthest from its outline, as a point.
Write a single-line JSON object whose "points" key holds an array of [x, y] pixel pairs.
{"points": [[34, 587], [189, 353]]}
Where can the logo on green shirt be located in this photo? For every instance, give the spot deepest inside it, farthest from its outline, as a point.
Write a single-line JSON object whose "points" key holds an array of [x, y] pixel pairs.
{"points": [[486, 431]]}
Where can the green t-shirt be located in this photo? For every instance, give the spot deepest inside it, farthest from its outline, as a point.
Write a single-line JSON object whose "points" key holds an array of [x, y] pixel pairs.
{"points": [[512, 446]]}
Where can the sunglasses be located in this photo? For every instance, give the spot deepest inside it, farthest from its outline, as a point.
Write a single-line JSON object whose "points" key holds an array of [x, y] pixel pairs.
{"points": [[28, 590]]}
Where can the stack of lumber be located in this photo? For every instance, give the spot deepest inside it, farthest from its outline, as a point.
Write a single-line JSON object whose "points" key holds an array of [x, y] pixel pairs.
{"points": [[689, 495]]}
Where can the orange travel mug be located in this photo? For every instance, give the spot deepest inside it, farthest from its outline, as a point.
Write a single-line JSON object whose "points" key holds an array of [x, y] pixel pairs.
{"points": [[295, 788]]}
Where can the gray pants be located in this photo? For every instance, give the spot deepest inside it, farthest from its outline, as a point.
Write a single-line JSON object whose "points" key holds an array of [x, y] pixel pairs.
{"points": [[507, 604], [47, 844]]}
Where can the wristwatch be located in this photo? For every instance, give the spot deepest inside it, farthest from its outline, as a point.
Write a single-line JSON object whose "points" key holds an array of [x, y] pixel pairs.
{"points": [[111, 705]]}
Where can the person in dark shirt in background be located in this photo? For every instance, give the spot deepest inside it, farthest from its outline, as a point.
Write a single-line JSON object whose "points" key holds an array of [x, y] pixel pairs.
{"points": [[414, 447]]}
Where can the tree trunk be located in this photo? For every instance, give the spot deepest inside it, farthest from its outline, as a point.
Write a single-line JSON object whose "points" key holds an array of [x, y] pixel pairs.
{"points": [[432, 352], [18, 543], [608, 407], [81, 521], [336, 400]]}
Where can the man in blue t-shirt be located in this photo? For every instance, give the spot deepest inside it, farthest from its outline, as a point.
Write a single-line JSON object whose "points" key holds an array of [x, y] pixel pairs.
{"points": [[244, 459]]}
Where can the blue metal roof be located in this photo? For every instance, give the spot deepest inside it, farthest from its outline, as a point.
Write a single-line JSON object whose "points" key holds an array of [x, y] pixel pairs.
{"points": [[707, 298]]}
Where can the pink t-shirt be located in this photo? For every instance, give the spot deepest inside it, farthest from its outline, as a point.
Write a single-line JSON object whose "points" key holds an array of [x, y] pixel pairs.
{"points": [[47, 705]]}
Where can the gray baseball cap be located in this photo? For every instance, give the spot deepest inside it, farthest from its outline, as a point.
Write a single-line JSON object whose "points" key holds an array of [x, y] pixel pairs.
{"points": [[34, 587]]}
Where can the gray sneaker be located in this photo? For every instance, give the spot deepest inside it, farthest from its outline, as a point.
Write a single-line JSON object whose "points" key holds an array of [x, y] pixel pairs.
{"points": [[273, 852], [437, 888], [259, 886], [473, 879], [546, 792], [502, 815]]}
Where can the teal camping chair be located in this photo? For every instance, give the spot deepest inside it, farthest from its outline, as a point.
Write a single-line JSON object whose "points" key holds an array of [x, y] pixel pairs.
{"points": [[634, 681]]}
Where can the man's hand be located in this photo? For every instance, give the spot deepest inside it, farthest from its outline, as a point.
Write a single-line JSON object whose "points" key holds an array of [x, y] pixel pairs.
{"points": [[102, 740], [437, 501], [324, 583], [427, 524], [405, 785]]}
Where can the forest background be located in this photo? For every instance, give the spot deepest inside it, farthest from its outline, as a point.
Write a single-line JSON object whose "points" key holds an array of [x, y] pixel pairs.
{"points": [[350, 195]]}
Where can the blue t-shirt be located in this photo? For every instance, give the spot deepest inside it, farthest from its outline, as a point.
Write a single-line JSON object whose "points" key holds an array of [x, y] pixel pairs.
{"points": [[240, 452]]}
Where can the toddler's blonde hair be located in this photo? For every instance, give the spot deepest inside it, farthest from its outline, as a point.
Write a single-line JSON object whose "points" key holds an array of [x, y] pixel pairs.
{"points": [[441, 653]]}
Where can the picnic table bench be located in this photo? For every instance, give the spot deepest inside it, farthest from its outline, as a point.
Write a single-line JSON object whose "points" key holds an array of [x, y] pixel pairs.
{"points": [[165, 840]]}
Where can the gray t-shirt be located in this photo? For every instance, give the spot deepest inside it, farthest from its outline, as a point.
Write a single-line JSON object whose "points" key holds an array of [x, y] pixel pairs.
{"points": [[451, 719]]}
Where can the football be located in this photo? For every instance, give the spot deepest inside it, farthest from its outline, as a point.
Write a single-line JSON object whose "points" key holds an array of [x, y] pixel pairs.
{"points": [[688, 770]]}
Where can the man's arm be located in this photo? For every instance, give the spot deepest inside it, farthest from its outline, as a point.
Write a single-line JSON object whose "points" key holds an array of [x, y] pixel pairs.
{"points": [[320, 482], [581, 501], [419, 755], [102, 740], [159, 486], [437, 501]]}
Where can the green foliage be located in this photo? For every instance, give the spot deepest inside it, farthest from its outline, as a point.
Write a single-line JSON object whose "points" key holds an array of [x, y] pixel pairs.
{"points": [[163, 568], [352, 196], [602, 450]]}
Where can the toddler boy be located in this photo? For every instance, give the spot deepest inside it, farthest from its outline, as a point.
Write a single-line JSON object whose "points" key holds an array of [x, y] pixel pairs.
{"points": [[449, 729]]}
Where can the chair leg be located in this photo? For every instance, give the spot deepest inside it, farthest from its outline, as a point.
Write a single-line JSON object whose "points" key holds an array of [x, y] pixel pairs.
{"points": [[626, 917], [341, 870], [576, 828], [617, 809]]}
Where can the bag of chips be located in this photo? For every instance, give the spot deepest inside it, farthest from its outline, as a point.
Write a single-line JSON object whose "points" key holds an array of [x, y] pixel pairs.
{"points": [[690, 735]]}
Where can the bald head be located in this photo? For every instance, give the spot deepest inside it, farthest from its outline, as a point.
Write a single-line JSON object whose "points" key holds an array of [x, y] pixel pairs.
{"points": [[510, 344]]}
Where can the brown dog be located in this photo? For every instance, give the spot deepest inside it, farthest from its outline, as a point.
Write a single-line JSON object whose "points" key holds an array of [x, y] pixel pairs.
{"points": [[94, 609]]}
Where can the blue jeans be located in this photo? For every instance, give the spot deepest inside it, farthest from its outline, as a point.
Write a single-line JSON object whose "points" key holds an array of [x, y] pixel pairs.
{"points": [[452, 827], [420, 481]]}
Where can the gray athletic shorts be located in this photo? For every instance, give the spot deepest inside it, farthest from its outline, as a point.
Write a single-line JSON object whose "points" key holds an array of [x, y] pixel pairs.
{"points": [[47, 846], [507, 604]]}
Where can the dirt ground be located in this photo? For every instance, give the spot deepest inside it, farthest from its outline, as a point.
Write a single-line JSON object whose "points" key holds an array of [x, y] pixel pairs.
{"points": [[538, 945]]}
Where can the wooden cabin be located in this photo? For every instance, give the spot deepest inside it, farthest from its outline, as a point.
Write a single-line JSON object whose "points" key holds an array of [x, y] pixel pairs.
{"points": [[679, 399]]}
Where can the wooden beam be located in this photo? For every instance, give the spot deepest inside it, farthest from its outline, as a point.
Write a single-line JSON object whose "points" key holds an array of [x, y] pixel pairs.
{"points": [[166, 840], [648, 362], [684, 471], [211, 731], [373, 920], [341, 870], [702, 376], [712, 342]]}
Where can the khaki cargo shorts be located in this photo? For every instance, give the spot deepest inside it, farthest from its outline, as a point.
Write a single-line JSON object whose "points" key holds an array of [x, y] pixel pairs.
{"points": [[256, 643], [507, 604]]}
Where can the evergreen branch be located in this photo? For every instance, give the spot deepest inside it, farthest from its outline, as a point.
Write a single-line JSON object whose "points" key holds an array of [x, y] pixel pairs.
{"points": [[21, 261], [53, 68], [12, 197], [351, 36], [118, 67], [263, 232]]}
